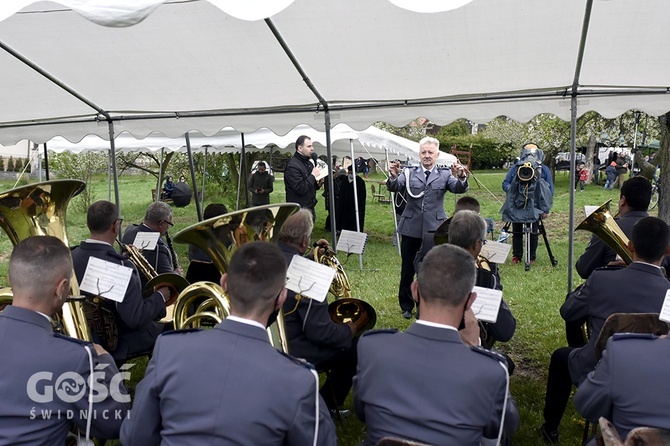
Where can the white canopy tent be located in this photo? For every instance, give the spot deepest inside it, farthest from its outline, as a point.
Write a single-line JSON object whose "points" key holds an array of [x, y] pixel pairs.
{"points": [[201, 65]]}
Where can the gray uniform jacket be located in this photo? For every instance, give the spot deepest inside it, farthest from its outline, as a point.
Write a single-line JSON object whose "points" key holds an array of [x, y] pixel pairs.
{"points": [[134, 316], [311, 333], [426, 385], [29, 346], [226, 385], [630, 384], [597, 253], [426, 213], [639, 288]]}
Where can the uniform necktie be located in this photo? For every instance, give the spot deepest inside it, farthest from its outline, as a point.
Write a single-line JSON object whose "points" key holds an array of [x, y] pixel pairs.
{"points": [[427, 174]]}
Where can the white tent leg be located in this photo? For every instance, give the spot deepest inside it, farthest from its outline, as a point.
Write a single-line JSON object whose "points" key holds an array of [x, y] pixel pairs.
{"points": [[356, 210]]}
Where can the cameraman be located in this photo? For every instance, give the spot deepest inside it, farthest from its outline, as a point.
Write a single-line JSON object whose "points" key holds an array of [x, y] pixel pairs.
{"points": [[529, 151]]}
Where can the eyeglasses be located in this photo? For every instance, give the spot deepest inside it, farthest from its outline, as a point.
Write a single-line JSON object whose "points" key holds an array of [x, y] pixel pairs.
{"points": [[169, 223], [120, 220], [483, 240]]}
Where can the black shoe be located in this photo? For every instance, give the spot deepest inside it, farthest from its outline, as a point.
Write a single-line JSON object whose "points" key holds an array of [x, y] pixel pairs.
{"points": [[336, 414], [549, 436], [407, 314]]}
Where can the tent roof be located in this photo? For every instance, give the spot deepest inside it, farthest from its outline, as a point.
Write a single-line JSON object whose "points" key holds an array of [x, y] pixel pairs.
{"points": [[371, 142], [193, 65]]}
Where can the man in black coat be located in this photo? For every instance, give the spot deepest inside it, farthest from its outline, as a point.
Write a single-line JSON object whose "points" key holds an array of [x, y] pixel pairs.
{"points": [[136, 316], [300, 176]]}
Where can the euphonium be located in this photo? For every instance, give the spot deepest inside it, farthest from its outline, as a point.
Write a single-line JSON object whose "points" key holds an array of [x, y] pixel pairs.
{"points": [[346, 308], [174, 282], [219, 237], [601, 223], [39, 209]]}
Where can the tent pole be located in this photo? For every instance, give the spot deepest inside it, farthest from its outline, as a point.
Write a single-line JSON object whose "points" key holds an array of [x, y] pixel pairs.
{"points": [[190, 164], [204, 174], [239, 176], [112, 148], [39, 166], [331, 185], [160, 177], [109, 175], [571, 223], [395, 217], [46, 162], [357, 212]]}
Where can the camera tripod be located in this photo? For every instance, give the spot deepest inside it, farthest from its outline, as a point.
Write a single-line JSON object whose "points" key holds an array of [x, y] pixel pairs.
{"points": [[527, 232]]}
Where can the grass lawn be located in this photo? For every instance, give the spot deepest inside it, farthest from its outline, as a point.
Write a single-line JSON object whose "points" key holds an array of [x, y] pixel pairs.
{"points": [[534, 296]]}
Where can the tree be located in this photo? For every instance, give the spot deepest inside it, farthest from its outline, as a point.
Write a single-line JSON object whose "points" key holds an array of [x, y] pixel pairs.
{"points": [[18, 165], [2, 164], [81, 166], [10, 164], [27, 164], [664, 181]]}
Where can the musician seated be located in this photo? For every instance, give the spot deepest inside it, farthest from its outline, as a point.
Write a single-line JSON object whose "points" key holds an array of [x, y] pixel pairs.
{"points": [[201, 268], [630, 394], [442, 232], [39, 364], [427, 384], [228, 385], [633, 204], [311, 333], [639, 288], [135, 317], [468, 230], [158, 218]]}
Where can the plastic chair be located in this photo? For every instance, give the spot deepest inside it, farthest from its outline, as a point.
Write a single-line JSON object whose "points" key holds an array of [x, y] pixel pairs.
{"points": [[381, 198]]}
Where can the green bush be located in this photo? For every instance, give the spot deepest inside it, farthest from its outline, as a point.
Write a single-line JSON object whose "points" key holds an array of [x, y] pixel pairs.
{"points": [[486, 153], [18, 165], [10, 164]]}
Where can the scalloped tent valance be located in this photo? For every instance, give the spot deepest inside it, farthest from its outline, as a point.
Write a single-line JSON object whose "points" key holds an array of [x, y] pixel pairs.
{"points": [[201, 65]]}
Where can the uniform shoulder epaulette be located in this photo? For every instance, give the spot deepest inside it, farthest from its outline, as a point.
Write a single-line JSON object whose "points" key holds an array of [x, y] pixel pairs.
{"points": [[298, 361], [71, 339], [183, 330], [620, 336], [497, 356], [379, 331]]}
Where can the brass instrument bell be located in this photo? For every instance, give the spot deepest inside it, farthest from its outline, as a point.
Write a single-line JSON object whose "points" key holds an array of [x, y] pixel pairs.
{"points": [[601, 223]]}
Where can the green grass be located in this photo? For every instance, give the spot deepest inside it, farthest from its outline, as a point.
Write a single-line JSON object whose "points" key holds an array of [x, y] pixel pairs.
{"points": [[534, 297]]}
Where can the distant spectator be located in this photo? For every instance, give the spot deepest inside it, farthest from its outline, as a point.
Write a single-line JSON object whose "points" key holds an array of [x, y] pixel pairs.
{"points": [[182, 179], [260, 186], [610, 172], [168, 187], [621, 170], [582, 176]]}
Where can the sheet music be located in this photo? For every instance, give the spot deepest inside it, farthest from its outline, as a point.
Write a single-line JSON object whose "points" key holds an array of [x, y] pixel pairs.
{"points": [[106, 279], [146, 241], [496, 252], [324, 169], [309, 278], [487, 304], [665, 310], [352, 242], [588, 210]]}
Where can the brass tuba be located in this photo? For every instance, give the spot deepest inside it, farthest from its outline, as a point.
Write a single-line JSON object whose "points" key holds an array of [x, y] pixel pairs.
{"points": [[601, 223], [219, 237], [345, 308], [39, 209]]}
